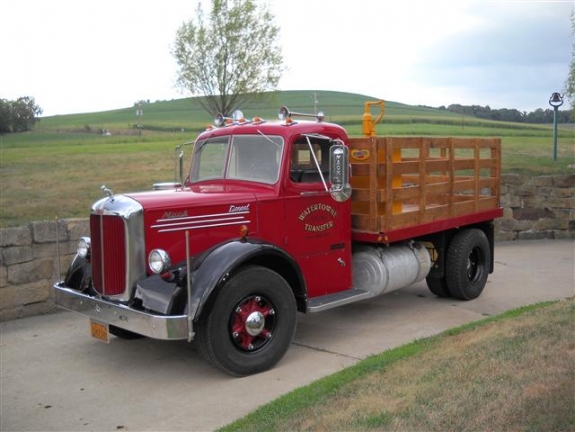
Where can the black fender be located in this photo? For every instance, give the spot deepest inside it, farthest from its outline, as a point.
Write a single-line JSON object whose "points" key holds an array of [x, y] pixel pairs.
{"points": [[79, 275], [213, 269]]}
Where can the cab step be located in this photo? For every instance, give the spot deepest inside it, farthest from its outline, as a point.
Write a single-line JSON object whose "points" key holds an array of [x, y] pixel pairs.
{"points": [[319, 304]]}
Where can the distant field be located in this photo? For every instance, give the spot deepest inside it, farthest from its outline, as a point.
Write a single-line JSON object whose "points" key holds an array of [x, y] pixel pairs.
{"points": [[57, 170]]}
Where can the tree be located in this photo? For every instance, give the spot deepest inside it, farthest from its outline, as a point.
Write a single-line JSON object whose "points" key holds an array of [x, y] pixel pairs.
{"points": [[25, 114], [230, 56], [5, 118], [570, 83], [19, 115]]}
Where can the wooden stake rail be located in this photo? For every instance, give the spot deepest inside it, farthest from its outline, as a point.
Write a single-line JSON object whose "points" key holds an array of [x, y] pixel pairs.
{"points": [[400, 182]]}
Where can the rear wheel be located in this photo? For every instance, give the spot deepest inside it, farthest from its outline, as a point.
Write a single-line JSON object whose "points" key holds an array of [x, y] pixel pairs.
{"points": [[251, 323], [438, 286], [467, 264]]}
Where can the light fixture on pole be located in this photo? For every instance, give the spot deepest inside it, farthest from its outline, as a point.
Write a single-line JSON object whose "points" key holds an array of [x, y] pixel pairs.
{"points": [[139, 113], [556, 100]]}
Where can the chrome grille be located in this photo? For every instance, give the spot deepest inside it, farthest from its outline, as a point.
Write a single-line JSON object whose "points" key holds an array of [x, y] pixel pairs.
{"points": [[118, 249], [108, 254]]}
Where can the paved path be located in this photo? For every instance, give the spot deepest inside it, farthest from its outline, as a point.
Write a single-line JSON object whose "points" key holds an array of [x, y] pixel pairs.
{"points": [[54, 377]]}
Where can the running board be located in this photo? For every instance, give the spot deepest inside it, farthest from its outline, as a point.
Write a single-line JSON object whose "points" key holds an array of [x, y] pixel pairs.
{"points": [[319, 304]]}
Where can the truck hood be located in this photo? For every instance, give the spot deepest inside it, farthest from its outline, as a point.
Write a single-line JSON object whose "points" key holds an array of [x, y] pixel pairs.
{"points": [[196, 196]]}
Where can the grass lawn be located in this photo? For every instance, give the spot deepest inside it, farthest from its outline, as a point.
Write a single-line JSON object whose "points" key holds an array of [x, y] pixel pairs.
{"points": [[513, 372]]}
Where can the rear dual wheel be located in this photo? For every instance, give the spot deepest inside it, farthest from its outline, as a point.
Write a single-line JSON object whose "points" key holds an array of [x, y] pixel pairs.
{"points": [[466, 266], [438, 286], [250, 324]]}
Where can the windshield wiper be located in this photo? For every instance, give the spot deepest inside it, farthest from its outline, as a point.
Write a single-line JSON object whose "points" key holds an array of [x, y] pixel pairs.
{"points": [[269, 139]]}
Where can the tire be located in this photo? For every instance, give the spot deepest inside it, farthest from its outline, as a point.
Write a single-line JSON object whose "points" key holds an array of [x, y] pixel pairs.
{"points": [[467, 264], [250, 324], [438, 286], [124, 334]]}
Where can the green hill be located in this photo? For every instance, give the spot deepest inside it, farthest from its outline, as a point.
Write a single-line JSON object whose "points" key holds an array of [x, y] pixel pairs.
{"points": [[57, 169], [188, 114], [343, 108]]}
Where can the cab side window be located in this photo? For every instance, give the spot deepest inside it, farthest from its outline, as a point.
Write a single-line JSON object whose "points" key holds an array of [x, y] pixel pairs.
{"points": [[303, 167]]}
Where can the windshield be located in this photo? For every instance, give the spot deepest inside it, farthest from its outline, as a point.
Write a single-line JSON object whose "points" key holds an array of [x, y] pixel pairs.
{"points": [[239, 157]]}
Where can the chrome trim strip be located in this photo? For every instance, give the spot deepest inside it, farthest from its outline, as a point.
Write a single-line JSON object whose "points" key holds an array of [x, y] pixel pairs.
{"points": [[204, 226], [152, 326], [197, 222], [102, 254]]}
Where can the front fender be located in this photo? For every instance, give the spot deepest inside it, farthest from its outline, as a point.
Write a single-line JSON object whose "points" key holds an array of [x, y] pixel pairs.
{"points": [[79, 275], [221, 262]]}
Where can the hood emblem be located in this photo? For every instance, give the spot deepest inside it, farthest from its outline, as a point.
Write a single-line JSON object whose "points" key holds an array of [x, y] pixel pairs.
{"points": [[107, 192], [174, 215]]}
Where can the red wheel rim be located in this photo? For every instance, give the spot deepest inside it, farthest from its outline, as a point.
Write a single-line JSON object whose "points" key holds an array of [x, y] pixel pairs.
{"points": [[252, 323]]}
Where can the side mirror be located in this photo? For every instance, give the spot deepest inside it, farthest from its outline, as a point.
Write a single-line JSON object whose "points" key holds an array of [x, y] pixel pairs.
{"points": [[340, 188]]}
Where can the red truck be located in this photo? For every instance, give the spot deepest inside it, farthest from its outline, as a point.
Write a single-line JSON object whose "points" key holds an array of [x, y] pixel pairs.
{"points": [[275, 218]]}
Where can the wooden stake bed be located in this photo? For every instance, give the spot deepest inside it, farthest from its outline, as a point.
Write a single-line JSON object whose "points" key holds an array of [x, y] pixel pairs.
{"points": [[407, 185]]}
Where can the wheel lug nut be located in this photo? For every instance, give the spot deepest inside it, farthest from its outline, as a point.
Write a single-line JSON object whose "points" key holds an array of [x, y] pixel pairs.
{"points": [[272, 312], [258, 299], [235, 335], [250, 347], [238, 310]]}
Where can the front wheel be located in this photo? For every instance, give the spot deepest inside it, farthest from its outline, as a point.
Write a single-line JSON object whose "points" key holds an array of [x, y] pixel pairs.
{"points": [[251, 323], [467, 264]]}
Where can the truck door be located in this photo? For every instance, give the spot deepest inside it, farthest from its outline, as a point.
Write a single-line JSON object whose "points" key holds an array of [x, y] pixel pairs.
{"points": [[318, 229]]}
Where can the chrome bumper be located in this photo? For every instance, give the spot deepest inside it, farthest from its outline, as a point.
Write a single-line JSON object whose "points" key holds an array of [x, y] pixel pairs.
{"points": [[153, 326]]}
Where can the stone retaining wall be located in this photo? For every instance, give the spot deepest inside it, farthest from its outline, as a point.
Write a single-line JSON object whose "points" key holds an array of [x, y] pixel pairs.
{"points": [[537, 207], [534, 208], [29, 264]]}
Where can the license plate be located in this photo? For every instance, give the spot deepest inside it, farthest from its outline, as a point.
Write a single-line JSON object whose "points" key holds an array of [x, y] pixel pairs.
{"points": [[100, 331]]}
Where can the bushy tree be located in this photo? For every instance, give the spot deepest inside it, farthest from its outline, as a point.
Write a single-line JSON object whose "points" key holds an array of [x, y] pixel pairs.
{"points": [[510, 115], [228, 56], [19, 115], [5, 116]]}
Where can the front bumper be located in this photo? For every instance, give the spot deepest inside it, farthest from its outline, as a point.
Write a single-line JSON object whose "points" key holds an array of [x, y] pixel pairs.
{"points": [[153, 326]]}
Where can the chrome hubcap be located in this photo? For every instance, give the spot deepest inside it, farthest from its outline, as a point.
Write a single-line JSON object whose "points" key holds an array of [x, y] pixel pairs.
{"points": [[255, 323]]}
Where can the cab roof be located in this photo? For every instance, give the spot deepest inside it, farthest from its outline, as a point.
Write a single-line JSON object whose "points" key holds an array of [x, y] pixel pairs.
{"points": [[282, 128]]}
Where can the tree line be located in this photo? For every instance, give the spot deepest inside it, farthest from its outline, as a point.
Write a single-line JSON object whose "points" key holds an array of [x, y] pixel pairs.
{"points": [[511, 115], [18, 115]]}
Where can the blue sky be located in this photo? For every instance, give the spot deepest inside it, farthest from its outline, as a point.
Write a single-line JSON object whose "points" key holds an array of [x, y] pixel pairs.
{"points": [[93, 55]]}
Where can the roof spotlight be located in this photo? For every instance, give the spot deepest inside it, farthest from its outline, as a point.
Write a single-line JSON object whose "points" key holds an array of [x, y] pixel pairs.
{"points": [[237, 116], [219, 119], [284, 113]]}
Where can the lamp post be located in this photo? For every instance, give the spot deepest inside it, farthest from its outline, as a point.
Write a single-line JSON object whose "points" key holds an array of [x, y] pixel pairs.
{"points": [[556, 100], [139, 113]]}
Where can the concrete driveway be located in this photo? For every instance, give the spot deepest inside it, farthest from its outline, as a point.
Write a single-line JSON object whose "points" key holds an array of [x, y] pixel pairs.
{"points": [[55, 377]]}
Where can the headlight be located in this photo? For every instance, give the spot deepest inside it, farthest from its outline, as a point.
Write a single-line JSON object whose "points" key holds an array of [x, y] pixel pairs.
{"points": [[84, 247], [159, 261]]}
